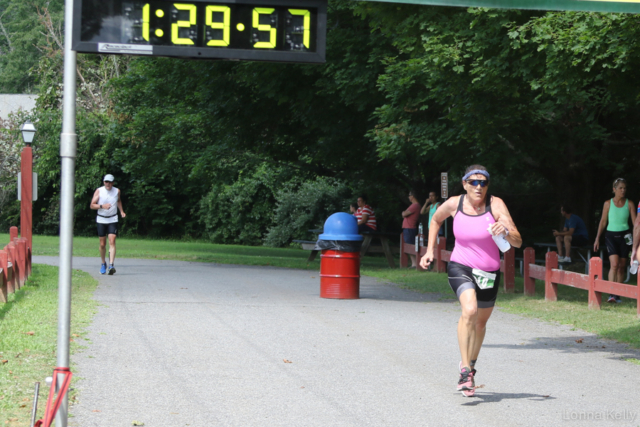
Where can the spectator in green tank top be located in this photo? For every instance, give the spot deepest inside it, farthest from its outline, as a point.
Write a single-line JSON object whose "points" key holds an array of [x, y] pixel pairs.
{"points": [[429, 208], [618, 236]]}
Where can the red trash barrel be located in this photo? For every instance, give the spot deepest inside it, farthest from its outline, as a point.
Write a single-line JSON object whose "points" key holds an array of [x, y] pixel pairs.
{"points": [[340, 274]]}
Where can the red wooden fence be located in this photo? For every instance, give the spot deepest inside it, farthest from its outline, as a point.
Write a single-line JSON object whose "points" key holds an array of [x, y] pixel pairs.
{"points": [[592, 282], [15, 265], [549, 273]]}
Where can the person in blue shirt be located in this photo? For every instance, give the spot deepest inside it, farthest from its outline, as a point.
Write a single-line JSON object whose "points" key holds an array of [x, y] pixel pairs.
{"points": [[574, 233]]}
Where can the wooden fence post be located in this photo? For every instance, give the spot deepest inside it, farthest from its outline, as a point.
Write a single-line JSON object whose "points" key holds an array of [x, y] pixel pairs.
{"points": [[29, 268], [441, 245], [13, 233], [403, 255], [550, 289], [13, 253], [595, 272], [529, 282], [4, 277], [21, 244], [510, 271], [11, 281]]}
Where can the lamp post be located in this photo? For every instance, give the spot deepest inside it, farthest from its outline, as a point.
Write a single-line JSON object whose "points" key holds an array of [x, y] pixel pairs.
{"points": [[26, 168]]}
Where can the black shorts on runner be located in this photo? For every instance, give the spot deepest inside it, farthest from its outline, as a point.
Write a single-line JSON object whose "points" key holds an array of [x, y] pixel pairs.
{"points": [[616, 245], [461, 278], [104, 229]]}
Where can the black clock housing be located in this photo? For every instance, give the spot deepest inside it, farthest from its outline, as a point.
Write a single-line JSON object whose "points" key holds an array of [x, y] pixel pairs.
{"points": [[254, 30]]}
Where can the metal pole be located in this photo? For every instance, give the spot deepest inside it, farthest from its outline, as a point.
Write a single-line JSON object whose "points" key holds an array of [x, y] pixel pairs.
{"points": [[34, 410], [68, 148]]}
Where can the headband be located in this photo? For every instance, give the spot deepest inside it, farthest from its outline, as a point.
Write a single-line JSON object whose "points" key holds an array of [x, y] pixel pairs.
{"points": [[475, 171]]}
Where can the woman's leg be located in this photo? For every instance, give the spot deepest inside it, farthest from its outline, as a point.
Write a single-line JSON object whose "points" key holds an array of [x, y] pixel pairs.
{"points": [[481, 329], [467, 325], [614, 261], [622, 270]]}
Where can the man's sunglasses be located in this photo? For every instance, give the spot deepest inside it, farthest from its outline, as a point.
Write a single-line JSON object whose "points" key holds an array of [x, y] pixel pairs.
{"points": [[475, 182], [108, 182]]}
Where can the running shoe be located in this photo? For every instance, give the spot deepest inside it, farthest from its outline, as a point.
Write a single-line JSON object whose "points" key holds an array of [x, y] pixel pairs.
{"points": [[618, 300], [472, 374], [612, 298], [465, 383], [112, 270], [103, 268]]}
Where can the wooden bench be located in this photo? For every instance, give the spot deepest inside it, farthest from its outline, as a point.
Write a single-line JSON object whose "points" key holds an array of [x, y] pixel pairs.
{"points": [[384, 242], [308, 245], [574, 249]]}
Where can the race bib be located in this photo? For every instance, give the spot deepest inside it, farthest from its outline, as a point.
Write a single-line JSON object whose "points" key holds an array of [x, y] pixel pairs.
{"points": [[483, 279]]}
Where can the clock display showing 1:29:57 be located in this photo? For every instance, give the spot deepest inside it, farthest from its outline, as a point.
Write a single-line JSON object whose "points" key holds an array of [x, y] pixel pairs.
{"points": [[266, 30], [216, 25]]}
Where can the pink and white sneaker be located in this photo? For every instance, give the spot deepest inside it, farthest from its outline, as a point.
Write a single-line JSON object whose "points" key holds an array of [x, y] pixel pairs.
{"points": [[466, 384]]}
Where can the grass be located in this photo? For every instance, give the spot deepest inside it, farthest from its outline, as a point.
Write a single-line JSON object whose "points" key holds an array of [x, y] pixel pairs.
{"points": [[194, 251], [614, 321], [28, 334]]}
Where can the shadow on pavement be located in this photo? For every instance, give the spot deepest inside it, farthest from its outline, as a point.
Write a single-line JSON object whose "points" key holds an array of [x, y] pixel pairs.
{"points": [[575, 344], [389, 292], [483, 397]]}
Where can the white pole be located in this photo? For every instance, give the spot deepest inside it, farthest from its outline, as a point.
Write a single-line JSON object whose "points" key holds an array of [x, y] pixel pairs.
{"points": [[68, 148]]}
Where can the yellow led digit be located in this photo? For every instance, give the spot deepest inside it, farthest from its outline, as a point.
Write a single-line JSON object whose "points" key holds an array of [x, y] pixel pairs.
{"points": [[306, 16], [271, 44], [225, 25], [145, 22], [191, 8]]}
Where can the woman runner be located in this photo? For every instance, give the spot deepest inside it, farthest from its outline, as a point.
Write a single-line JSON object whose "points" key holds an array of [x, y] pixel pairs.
{"points": [[615, 216], [475, 254]]}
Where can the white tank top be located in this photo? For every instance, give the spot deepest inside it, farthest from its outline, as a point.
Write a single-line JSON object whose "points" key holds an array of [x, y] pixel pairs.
{"points": [[107, 216]]}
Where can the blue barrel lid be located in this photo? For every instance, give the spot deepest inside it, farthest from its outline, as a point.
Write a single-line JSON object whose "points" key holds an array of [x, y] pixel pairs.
{"points": [[341, 226]]}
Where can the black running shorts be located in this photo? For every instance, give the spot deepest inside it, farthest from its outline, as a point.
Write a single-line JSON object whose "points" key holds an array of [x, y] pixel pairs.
{"points": [[461, 278], [104, 229], [616, 244]]}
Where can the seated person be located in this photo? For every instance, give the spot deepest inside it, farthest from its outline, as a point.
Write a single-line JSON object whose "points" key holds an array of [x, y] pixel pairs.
{"points": [[574, 233], [365, 216], [353, 208]]}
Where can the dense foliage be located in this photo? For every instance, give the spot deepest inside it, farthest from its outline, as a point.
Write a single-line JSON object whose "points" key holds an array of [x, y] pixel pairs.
{"points": [[253, 152]]}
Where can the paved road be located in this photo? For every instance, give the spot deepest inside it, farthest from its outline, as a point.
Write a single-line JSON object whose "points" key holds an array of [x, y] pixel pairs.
{"points": [[192, 344]]}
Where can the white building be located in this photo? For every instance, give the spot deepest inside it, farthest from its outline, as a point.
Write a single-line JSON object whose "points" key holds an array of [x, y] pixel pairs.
{"points": [[13, 103]]}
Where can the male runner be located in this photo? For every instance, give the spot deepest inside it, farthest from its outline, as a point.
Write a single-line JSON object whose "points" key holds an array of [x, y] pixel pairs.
{"points": [[105, 200]]}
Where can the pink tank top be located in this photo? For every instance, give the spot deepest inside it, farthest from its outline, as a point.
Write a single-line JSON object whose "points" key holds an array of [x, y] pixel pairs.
{"points": [[475, 247]]}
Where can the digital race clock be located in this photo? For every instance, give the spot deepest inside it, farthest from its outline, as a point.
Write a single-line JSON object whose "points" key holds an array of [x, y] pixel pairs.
{"points": [[261, 30]]}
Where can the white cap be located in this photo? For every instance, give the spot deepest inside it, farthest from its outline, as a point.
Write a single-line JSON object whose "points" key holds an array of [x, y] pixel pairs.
{"points": [[108, 177]]}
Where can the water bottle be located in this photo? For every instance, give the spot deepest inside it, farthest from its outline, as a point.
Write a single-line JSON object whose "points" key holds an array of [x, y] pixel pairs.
{"points": [[421, 235], [417, 245], [634, 267], [500, 240]]}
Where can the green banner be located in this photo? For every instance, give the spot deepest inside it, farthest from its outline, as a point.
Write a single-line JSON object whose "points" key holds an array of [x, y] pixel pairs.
{"points": [[624, 6]]}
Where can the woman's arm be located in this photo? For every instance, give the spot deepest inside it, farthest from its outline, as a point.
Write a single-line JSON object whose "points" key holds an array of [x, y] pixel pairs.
{"points": [[504, 222], [445, 210], [603, 223], [425, 208]]}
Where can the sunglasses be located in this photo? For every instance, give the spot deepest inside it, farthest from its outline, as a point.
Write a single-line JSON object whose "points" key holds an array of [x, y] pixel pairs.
{"points": [[108, 182], [475, 182]]}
